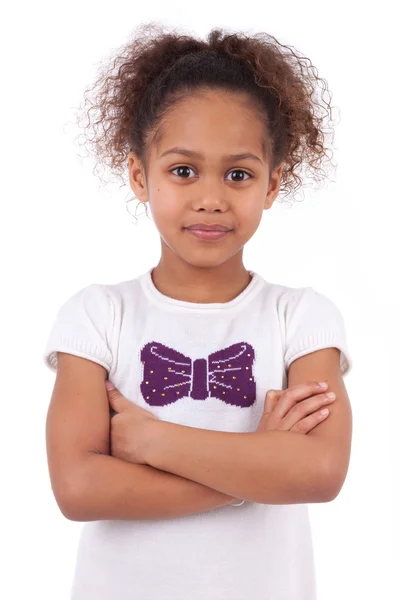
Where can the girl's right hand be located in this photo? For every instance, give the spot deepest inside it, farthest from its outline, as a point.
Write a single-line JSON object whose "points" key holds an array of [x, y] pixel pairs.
{"points": [[297, 408]]}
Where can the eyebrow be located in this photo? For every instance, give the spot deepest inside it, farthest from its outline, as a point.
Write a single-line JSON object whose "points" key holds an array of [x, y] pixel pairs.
{"points": [[193, 153]]}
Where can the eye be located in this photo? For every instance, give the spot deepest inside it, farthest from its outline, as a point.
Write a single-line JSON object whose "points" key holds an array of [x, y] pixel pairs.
{"points": [[240, 171], [183, 167]]}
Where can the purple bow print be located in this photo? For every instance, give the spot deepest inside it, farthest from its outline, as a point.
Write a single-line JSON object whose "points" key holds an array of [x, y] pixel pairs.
{"points": [[169, 375]]}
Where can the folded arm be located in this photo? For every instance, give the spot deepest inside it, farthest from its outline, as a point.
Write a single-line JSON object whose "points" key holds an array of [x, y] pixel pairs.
{"points": [[274, 467], [189, 470], [105, 487], [88, 483]]}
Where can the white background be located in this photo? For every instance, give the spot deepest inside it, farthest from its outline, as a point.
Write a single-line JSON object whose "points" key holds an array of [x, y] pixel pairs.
{"points": [[61, 231]]}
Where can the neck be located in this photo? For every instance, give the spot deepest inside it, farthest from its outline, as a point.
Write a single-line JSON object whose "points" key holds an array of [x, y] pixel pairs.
{"points": [[181, 280]]}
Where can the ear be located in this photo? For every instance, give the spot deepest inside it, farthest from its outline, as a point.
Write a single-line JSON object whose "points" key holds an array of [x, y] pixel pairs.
{"points": [[274, 186], [137, 178]]}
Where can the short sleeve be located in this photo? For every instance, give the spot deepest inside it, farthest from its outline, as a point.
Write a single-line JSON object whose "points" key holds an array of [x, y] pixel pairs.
{"points": [[313, 321], [82, 327]]}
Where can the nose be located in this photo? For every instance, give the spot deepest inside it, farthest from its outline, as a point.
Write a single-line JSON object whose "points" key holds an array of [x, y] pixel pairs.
{"points": [[209, 210], [210, 202]]}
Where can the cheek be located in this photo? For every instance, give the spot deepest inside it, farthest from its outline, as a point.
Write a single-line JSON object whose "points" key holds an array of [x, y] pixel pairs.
{"points": [[164, 199], [249, 214], [166, 213]]}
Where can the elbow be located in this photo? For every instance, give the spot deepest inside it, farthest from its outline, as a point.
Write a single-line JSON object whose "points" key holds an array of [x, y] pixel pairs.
{"points": [[69, 498], [331, 481], [73, 491]]}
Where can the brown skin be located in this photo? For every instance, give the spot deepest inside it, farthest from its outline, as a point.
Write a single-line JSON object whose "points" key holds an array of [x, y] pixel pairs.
{"points": [[213, 123]]}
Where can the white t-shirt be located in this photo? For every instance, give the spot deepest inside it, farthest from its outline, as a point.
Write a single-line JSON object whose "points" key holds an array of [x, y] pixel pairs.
{"points": [[208, 366]]}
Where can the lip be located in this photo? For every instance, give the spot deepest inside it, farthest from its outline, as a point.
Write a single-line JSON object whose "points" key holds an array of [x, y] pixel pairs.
{"points": [[208, 227], [204, 234]]}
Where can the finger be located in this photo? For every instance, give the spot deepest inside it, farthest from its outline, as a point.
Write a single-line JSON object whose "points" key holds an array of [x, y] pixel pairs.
{"points": [[305, 425], [271, 399], [295, 394], [117, 401], [306, 407]]}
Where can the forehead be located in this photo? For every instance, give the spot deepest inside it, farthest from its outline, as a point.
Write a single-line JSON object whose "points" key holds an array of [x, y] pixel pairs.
{"points": [[210, 121]]}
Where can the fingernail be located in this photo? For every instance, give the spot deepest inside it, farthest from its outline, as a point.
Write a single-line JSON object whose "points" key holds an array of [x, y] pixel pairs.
{"points": [[322, 384], [109, 385]]}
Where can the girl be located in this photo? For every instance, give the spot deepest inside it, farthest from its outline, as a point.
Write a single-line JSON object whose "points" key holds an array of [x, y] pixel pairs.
{"points": [[198, 486]]}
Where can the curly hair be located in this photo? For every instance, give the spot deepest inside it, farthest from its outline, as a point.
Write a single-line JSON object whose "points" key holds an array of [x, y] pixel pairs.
{"points": [[158, 68]]}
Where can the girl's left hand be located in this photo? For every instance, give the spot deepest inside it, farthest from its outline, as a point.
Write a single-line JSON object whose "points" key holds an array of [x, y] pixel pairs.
{"points": [[129, 428]]}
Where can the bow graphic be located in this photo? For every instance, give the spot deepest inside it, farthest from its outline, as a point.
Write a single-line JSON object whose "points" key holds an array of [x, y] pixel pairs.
{"points": [[169, 375]]}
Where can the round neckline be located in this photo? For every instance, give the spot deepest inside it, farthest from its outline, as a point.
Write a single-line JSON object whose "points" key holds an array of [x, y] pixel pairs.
{"points": [[162, 299]]}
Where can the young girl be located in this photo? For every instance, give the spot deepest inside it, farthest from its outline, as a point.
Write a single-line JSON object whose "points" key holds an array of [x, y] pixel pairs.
{"points": [[197, 487]]}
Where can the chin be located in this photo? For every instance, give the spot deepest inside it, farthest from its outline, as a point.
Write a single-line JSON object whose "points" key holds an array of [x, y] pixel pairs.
{"points": [[202, 262]]}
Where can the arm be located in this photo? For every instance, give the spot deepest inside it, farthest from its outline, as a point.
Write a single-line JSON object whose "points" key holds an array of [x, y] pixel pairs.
{"points": [[110, 488], [273, 467], [87, 483]]}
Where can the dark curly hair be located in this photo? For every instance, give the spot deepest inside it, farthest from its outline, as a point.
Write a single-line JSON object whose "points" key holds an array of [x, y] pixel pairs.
{"points": [[157, 68]]}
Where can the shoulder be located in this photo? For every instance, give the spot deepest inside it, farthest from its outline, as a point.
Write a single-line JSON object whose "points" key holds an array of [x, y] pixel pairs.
{"points": [[311, 304], [311, 321]]}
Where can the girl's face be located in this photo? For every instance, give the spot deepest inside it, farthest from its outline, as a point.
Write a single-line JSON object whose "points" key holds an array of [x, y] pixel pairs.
{"points": [[198, 182]]}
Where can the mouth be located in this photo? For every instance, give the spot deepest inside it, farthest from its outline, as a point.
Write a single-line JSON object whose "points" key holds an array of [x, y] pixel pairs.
{"points": [[204, 234]]}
